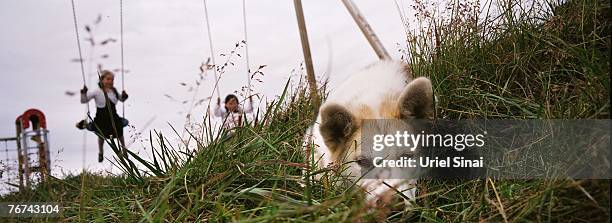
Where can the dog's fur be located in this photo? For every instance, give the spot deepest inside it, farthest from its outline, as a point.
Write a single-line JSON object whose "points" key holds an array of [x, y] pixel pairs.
{"points": [[383, 90]]}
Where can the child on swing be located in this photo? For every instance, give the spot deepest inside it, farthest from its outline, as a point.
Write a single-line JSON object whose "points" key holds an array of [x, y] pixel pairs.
{"points": [[231, 112], [107, 123]]}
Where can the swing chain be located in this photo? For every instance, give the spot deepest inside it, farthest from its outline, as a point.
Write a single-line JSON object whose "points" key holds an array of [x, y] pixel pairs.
{"points": [[212, 51], [122, 58], [78, 41], [78, 38], [246, 48]]}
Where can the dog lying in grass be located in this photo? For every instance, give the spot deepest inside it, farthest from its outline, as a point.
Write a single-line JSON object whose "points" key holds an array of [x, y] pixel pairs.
{"points": [[383, 90]]}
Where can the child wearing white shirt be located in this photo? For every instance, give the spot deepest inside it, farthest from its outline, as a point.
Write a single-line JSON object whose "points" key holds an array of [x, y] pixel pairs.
{"points": [[107, 123], [231, 112]]}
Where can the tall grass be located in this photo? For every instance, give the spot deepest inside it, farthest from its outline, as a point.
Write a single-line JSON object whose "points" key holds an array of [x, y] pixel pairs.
{"points": [[524, 64], [546, 60]]}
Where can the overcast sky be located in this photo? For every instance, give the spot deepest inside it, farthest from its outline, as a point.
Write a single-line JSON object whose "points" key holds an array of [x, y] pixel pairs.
{"points": [[165, 42]]}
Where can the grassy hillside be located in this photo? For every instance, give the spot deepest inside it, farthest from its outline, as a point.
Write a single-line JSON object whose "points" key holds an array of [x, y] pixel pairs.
{"points": [[545, 65]]}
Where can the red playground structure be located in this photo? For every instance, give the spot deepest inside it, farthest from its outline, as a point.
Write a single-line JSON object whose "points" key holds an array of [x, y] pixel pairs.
{"points": [[33, 155]]}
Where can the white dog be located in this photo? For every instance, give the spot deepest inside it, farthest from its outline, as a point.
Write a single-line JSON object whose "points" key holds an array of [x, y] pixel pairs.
{"points": [[383, 90]]}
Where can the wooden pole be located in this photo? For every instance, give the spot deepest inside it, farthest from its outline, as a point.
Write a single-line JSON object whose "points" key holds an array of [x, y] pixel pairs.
{"points": [[312, 82], [366, 29]]}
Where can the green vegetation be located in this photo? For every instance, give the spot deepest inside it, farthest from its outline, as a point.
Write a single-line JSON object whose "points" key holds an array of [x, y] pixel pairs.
{"points": [[522, 65]]}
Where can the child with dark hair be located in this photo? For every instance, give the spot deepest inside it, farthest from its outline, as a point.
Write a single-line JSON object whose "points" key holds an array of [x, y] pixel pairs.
{"points": [[231, 112]]}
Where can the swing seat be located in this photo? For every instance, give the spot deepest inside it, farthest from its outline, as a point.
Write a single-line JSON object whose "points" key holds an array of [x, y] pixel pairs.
{"points": [[83, 124]]}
